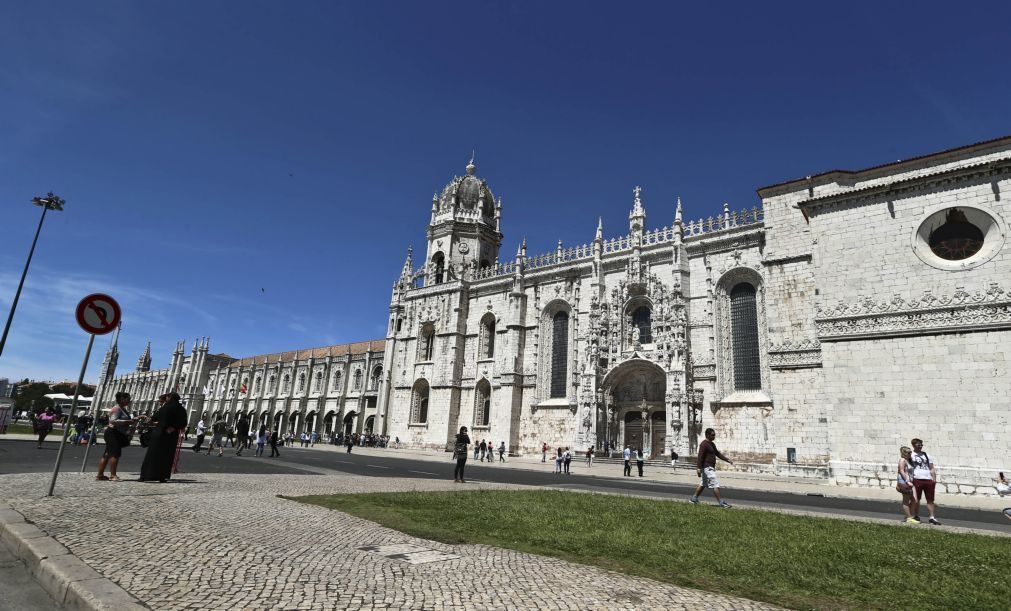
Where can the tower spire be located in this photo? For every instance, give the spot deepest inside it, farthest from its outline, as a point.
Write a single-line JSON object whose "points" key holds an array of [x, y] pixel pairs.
{"points": [[600, 228], [144, 362]]}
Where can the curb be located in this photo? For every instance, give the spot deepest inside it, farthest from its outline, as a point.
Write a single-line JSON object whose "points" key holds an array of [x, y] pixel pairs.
{"points": [[65, 577]]}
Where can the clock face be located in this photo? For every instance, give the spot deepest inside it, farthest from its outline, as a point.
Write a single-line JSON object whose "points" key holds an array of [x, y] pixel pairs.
{"points": [[463, 248]]}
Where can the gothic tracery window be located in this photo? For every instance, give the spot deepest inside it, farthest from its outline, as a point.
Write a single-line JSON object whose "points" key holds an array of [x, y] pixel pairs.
{"points": [[358, 380], [642, 320], [256, 384], [744, 335], [376, 378], [559, 354], [439, 263], [301, 382], [419, 402], [426, 345], [337, 380], [285, 382], [486, 337], [318, 383], [482, 403]]}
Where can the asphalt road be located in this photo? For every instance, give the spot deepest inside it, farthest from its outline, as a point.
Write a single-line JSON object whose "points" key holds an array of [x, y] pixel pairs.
{"points": [[23, 457]]}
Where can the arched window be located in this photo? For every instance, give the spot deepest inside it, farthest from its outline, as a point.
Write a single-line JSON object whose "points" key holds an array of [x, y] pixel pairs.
{"points": [[559, 354], [641, 319], [256, 384], [377, 376], [482, 403], [744, 334], [301, 382], [285, 382], [270, 383], [439, 263], [337, 380], [400, 324], [318, 383], [426, 345], [358, 380], [486, 337], [419, 402]]}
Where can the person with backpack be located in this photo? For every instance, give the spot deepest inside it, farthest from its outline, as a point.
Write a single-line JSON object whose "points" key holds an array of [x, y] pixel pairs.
{"points": [[501, 452], [242, 432], [567, 460], [460, 454], [924, 480], [218, 432]]}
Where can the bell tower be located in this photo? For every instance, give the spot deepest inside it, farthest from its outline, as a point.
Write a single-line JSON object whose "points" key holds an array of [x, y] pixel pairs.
{"points": [[464, 230]]}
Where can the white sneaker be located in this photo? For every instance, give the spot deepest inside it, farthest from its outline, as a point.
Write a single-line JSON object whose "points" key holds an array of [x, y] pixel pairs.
{"points": [[693, 500]]}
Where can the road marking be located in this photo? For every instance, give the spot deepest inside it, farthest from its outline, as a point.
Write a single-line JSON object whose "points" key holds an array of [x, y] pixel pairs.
{"points": [[377, 466], [422, 472]]}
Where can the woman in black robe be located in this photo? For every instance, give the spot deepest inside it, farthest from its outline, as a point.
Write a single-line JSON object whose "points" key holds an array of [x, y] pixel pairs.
{"points": [[168, 421]]}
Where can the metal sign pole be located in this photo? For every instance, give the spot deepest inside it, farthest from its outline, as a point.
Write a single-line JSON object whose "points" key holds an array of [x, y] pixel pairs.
{"points": [[73, 408], [96, 406]]}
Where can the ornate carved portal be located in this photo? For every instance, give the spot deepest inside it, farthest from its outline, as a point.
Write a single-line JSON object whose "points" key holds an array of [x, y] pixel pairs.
{"points": [[636, 405]]}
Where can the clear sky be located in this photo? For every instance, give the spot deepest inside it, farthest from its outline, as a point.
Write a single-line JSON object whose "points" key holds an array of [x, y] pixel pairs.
{"points": [[254, 171]]}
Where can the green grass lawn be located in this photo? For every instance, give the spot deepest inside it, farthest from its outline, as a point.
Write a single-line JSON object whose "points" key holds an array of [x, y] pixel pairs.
{"points": [[21, 427], [797, 562]]}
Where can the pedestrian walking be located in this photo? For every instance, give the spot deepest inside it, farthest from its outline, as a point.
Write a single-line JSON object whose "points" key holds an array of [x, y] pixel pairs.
{"points": [[501, 452], [904, 484], [558, 460], [673, 459], [705, 467], [349, 441], [168, 422], [273, 444], [566, 460], [261, 440], [218, 432], [44, 424], [1004, 489], [589, 457], [627, 455], [639, 460], [116, 437], [924, 480], [231, 437], [460, 455], [544, 452], [242, 432], [201, 431], [484, 449]]}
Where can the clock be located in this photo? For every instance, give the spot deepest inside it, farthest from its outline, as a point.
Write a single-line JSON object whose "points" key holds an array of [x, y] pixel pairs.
{"points": [[463, 248]]}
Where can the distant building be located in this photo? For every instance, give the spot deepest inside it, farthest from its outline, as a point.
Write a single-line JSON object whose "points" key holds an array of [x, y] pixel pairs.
{"points": [[6, 388]]}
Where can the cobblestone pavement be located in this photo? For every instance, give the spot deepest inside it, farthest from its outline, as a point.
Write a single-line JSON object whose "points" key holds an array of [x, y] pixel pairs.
{"points": [[228, 542]]}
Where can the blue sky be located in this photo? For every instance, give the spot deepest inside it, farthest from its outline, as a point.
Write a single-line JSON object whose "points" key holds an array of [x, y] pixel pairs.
{"points": [[208, 150]]}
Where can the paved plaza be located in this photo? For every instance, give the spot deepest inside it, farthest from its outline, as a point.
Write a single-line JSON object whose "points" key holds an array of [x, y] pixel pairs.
{"points": [[214, 541]]}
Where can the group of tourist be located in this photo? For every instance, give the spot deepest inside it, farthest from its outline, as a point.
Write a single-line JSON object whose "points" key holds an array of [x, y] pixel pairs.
{"points": [[165, 426], [486, 450]]}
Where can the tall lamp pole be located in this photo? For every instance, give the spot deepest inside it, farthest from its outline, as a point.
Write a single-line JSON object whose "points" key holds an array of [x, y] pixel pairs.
{"points": [[49, 202]]}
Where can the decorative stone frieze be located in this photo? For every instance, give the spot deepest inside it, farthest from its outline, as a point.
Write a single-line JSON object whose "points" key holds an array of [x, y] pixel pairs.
{"points": [[923, 315], [795, 355]]}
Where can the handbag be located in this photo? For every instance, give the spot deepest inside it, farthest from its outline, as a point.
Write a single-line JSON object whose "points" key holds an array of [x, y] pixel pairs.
{"points": [[903, 488]]}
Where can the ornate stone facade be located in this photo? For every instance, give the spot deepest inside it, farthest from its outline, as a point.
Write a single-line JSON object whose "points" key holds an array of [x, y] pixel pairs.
{"points": [[817, 333]]}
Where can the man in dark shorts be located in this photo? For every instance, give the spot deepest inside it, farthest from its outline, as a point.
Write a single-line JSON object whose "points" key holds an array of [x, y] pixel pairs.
{"points": [[924, 480], [706, 468]]}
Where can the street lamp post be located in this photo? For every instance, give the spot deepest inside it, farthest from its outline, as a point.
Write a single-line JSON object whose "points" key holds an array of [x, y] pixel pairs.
{"points": [[49, 202]]}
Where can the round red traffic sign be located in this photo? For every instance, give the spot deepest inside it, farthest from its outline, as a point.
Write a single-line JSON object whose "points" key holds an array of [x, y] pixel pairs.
{"points": [[98, 314]]}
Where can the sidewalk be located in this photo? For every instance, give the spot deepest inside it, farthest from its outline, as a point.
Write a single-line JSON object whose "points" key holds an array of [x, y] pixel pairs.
{"points": [[228, 541]]}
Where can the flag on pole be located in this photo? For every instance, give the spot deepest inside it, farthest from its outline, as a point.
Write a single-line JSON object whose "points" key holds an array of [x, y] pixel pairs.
{"points": [[242, 390]]}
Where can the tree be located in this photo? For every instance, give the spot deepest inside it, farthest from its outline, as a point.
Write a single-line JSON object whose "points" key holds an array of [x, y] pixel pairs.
{"points": [[30, 393], [68, 389]]}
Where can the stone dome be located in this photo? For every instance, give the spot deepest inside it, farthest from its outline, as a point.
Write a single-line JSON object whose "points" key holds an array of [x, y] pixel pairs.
{"points": [[468, 192]]}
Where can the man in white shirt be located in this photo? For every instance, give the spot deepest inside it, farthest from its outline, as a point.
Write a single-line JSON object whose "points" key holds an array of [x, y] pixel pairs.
{"points": [[924, 479], [628, 461], [201, 431]]}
